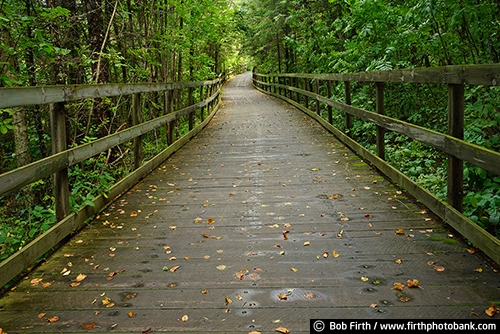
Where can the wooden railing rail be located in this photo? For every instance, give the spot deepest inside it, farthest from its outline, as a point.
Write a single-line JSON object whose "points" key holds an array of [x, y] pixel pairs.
{"points": [[62, 158], [302, 89]]}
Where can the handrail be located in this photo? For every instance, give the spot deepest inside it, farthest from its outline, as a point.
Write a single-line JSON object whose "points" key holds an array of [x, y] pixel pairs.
{"points": [[58, 163], [300, 89]]}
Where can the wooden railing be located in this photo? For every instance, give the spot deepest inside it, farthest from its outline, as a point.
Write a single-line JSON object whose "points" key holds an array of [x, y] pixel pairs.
{"points": [[62, 158], [303, 91]]}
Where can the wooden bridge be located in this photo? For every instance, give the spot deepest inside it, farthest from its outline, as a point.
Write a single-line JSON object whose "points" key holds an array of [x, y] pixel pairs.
{"points": [[260, 222]]}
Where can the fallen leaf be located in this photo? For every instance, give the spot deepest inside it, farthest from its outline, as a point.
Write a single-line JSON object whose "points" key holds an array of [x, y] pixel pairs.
{"points": [[282, 330], [221, 267], [41, 315], [413, 283], [400, 231], [185, 318], [133, 214], [282, 296], [285, 237], [309, 295], [35, 281], [373, 305], [325, 255], [438, 268], [173, 269], [254, 332], [89, 325], [227, 300], [204, 291], [80, 277], [307, 243], [490, 311], [53, 319], [398, 286], [46, 285], [294, 270], [335, 254], [364, 278], [398, 261], [368, 216]]}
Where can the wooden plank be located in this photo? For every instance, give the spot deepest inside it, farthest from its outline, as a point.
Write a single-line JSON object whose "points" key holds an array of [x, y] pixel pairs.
{"points": [[22, 96], [487, 75]]}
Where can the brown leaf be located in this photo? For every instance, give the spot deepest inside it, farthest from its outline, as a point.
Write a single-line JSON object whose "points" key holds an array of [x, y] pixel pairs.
{"points": [[53, 319], [204, 291], [438, 268], [282, 296], [252, 332], [41, 315], [240, 274], [89, 325], [74, 284], [282, 330], [285, 237], [490, 311]]}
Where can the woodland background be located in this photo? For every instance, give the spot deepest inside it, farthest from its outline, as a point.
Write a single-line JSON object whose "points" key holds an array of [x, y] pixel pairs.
{"points": [[47, 42]]}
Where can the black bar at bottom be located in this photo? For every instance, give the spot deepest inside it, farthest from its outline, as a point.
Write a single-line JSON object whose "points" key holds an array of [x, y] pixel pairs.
{"points": [[417, 326]]}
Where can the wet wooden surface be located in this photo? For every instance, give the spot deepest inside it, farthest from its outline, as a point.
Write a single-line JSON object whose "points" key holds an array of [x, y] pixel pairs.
{"points": [[271, 222]]}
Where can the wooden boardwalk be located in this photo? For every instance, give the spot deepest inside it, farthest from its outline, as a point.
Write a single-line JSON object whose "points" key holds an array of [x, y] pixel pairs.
{"points": [[262, 221]]}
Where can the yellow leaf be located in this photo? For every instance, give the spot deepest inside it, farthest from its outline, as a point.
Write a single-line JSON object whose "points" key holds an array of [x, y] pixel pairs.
{"points": [[398, 286], [335, 254], [413, 283], [307, 243], [173, 269], [294, 270], [80, 277], [221, 267], [227, 300], [185, 318], [282, 330], [400, 231], [131, 314]]}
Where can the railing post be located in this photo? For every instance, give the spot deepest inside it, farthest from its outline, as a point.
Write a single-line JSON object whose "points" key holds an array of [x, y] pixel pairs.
{"points": [[296, 85], [455, 189], [58, 134], [202, 109], [316, 90], [380, 111], [192, 114], [329, 95], [136, 120], [306, 88], [169, 103], [347, 97]]}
